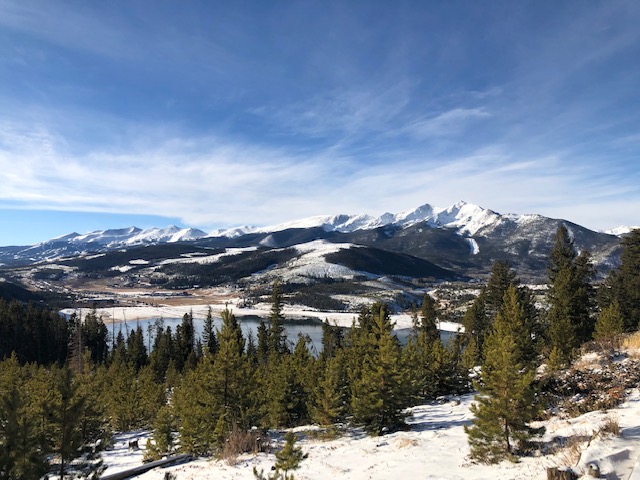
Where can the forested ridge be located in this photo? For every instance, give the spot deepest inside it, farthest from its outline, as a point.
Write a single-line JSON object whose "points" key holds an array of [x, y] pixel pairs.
{"points": [[66, 389]]}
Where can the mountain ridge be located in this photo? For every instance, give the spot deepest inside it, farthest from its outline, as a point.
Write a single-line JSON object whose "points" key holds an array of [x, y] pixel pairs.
{"points": [[463, 238]]}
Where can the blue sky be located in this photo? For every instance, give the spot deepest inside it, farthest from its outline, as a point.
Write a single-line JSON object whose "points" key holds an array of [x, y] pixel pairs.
{"points": [[219, 114]]}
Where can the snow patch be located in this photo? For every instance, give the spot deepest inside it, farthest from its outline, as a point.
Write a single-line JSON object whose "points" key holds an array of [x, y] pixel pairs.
{"points": [[475, 249]]}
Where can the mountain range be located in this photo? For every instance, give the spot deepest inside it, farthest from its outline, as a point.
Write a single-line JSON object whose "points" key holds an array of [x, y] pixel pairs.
{"points": [[462, 240]]}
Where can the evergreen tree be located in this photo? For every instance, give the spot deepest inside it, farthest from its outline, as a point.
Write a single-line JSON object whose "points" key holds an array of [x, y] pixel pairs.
{"points": [[152, 396], [230, 379], [287, 459], [136, 350], [280, 392], [92, 385], [332, 338], [161, 442], [331, 395], [418, 355], [570, 297], [65, 414], [277, 336], [262, 351], [209, 334], [379, 390], [162, 353], [476, 327], [610, 325], [195, 407], [21, 454], [95, 335], [505, 402], [429, 318], [623, 284], [290, 456], [184, 355], [502, 277], [123, 396]]}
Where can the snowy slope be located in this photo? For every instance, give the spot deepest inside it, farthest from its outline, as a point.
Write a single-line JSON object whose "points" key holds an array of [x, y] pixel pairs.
{"points": [[311, 264], [434, 447]]}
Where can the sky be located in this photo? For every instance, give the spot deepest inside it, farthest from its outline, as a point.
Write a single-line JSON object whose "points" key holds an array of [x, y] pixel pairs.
{"points": [[222, 114]]}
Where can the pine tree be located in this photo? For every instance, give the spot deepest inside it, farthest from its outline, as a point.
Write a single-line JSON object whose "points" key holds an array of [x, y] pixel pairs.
{"points": [[502, 277], [330, 395], [623, 284], [161, 442], [332, 339], [230, 378], [476, 327], [195, 408], [184, 355], [287, 459], [277, 336], [610, 325], [65, 415], [91, 387], [21, 454], [123, 396], [95, 334], [505, 402], [161, 355], [379, 390], [290, 456], [570, 297], [429, 318], [136, 350], [262, 350], [418, 356], [209, 334], [152, 396]]}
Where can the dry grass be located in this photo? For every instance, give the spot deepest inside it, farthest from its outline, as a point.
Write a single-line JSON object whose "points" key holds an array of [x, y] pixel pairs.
{"points": [[632, 342], [610, 426], [572, 449]]}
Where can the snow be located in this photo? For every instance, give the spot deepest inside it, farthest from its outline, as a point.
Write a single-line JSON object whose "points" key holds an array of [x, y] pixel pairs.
{"points": [[312, 264], [130, 236], [205, 259], [467, 218], [475, 249], [621, 230], [434, 447]]}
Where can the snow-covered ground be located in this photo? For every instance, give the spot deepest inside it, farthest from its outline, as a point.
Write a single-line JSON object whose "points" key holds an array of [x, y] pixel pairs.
{"points": [[435, 447]]}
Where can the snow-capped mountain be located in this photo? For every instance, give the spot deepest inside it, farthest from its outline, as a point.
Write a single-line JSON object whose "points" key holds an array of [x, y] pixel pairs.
{"points": [[462, 238], [130, 236], [467, 219]]}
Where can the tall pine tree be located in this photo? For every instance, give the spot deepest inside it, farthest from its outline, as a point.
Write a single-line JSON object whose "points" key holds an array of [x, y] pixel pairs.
{"points": [[379, 389], [505, 402], [570, 298]]}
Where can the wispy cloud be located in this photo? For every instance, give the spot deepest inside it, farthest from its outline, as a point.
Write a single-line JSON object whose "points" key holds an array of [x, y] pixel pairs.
{"points": [[211, 181]]}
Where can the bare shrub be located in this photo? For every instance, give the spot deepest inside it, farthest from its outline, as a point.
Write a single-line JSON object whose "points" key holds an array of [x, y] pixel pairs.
{"points": [[242, 441]]}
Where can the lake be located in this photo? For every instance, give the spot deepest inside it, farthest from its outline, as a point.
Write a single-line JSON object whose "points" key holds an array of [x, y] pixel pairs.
{"points": [[249, 325]]}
